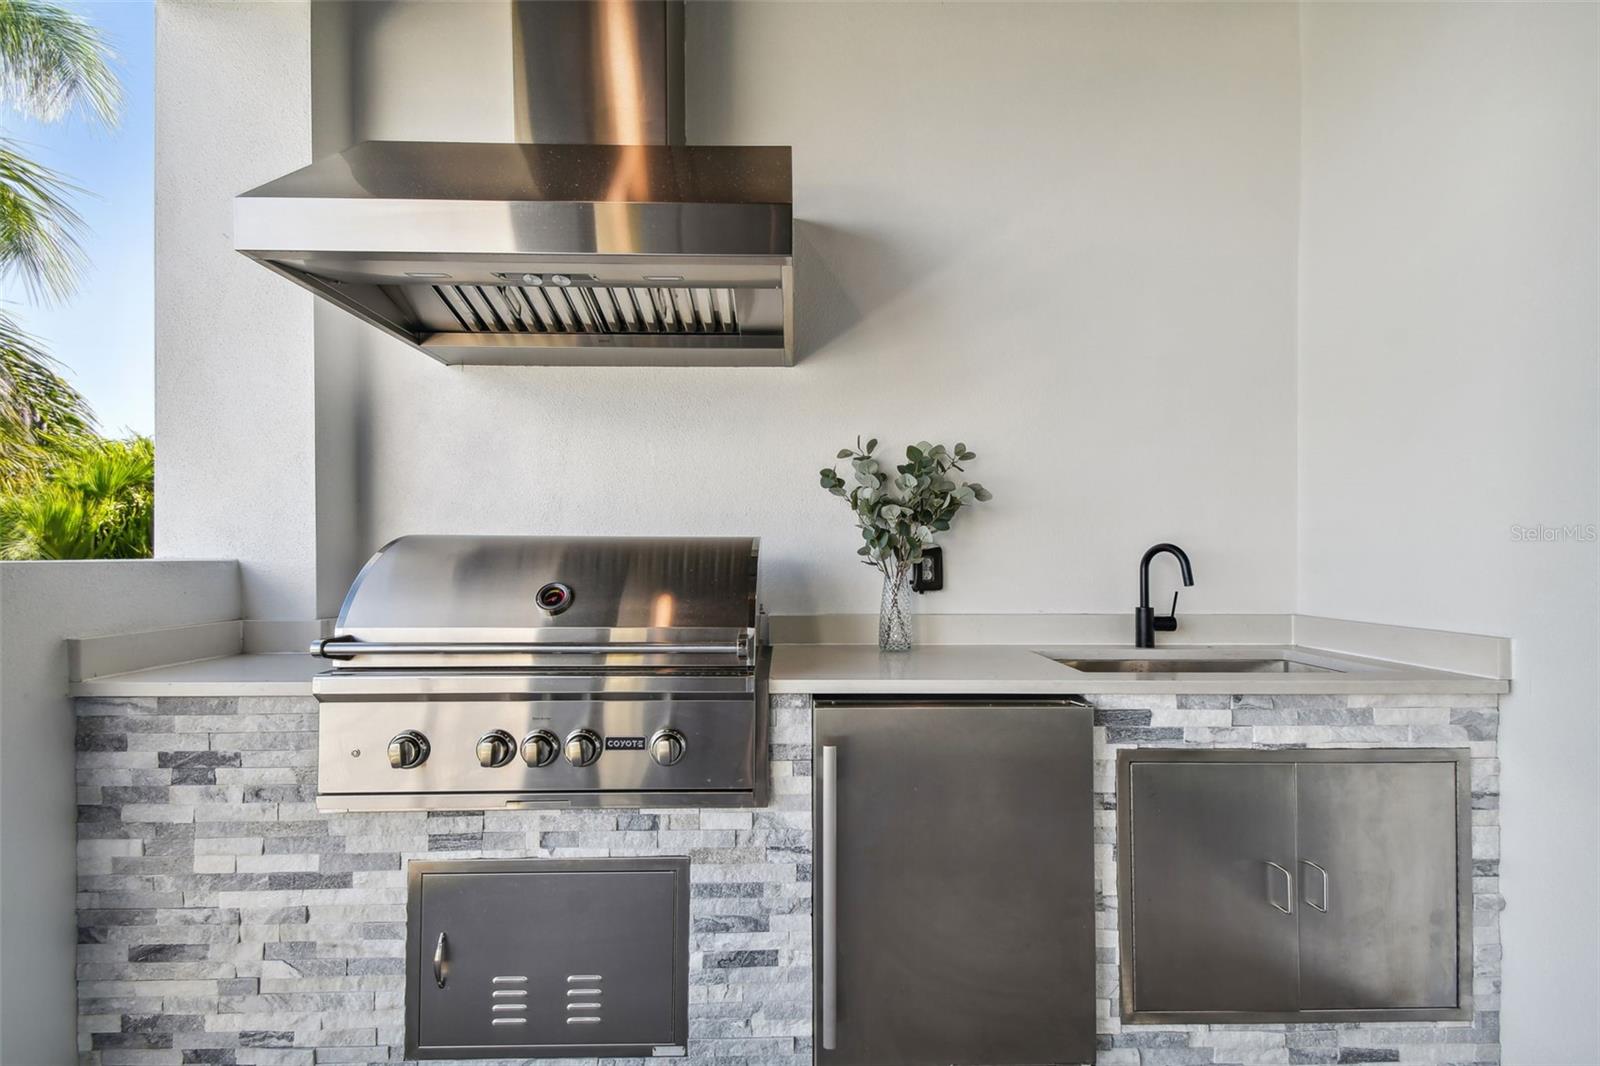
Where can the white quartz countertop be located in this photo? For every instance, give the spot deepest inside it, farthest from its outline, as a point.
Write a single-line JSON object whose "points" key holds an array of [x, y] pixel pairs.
{"points": [[858, 669], [853, 669], [278, 674]]}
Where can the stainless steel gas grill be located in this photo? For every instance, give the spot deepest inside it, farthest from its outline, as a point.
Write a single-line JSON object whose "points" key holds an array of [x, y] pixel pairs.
{"points": [[492, 672]]}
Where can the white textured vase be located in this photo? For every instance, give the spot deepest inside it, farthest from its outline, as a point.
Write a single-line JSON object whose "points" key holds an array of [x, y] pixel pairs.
{"points": [[894, 613]]}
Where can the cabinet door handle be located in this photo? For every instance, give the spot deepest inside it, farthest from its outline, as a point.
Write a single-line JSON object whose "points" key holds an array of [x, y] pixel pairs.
{"points": [[829, 801], [1324, 875], [1288, 889], [439, 962]]}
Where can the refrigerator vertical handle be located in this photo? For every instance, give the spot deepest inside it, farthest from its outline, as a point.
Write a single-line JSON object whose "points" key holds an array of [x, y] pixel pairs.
{"points": [[439, 962], [830, 896]]}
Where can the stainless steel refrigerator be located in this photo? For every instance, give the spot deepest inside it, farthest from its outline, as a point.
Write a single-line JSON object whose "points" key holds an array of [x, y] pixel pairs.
{"points": [[954, 907]]}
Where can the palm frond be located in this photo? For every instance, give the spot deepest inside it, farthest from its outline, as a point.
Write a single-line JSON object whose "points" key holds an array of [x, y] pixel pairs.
{"points": [[38, 407], [38, 226], [53, 62]]}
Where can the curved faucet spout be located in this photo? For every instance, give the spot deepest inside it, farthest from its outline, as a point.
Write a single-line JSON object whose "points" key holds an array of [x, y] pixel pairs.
{"points": [[1144, 568], [1145, 622]]}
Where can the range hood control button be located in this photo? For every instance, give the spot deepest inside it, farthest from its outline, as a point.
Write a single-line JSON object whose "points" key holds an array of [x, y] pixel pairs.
{"points": [[408, 750], [583, 748], [540, 748], [667, 747], [496, 748]]}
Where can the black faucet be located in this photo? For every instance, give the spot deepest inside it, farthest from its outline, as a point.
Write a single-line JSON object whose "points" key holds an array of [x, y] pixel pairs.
{"points": [[1145, 619]]}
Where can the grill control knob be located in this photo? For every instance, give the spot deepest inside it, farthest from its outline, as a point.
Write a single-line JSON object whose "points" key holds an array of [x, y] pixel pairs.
{"points": [[540, 748], [667, 747], [496, 748], [408, 750], [583, 747]]}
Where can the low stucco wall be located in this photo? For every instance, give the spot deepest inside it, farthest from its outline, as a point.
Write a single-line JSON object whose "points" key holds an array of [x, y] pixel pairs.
{"points": [[41, 603]]}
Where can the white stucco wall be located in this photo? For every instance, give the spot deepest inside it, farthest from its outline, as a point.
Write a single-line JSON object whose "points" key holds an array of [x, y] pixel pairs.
{"points": [[1064, 234], [40, 605], [234, 398], [1449, 377], [365, 59]]}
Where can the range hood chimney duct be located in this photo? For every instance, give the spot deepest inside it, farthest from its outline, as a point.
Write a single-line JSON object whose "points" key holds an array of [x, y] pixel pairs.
{"points": [[598, 71], [598, 238]]}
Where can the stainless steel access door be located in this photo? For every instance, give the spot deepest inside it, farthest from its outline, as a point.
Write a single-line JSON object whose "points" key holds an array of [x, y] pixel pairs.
{"points": [[1378, 883], [547, 958], [955, 909], [1211, 873], [1295, 885]]}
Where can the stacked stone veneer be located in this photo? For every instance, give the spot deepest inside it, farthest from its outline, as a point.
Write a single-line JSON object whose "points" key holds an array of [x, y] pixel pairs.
{"points": [[224, 920], [1297, 722]]}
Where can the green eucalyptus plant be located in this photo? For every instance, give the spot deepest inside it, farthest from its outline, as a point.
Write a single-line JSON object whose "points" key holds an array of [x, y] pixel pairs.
{"points": [[899, 516]]}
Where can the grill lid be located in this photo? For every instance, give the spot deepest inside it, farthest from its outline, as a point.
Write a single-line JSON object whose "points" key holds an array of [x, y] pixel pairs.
{"points": [[481, 596]]}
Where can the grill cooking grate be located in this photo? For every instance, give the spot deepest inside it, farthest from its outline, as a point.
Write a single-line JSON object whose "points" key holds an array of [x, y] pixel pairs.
{"points": [[597, 309]]}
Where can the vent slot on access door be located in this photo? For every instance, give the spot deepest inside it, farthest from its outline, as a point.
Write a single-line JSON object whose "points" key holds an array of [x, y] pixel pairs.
{"points": [[508, 999], [585, 999]]}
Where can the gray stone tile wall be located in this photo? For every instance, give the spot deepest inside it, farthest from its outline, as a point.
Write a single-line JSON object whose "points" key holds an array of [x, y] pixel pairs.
{"points": [[224, 920]]}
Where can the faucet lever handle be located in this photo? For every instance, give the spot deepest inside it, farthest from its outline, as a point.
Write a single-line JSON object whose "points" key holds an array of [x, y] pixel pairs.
{"points": [[1166, 623]]}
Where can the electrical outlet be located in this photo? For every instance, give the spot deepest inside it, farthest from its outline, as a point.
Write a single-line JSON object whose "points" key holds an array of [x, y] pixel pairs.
{"points": [[929, 575]]}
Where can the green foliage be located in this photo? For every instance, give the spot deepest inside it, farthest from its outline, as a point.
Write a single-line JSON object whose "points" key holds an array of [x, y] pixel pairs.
{"points": [[53, 62], [38, 227], [900, 516], [96, 500], [38, 408]]}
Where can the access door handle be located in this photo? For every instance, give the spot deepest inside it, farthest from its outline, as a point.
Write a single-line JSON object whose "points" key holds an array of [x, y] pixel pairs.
{"points": [[828, 800], [1324, 875], [1288, 889], [439, 958]]}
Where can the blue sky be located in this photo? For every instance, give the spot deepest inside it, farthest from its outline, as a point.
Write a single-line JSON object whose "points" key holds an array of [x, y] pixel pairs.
{"points": [[103, 334]]}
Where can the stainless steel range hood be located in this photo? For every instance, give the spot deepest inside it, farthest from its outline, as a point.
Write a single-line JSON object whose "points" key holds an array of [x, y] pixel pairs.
{"points": [[629, 248]]}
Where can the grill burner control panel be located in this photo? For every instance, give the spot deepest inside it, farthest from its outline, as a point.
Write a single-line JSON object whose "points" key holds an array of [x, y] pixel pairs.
{"points": [[458, 754], [409, 749]]}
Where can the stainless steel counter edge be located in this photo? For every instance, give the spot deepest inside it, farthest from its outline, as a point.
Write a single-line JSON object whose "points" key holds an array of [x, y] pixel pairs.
{"points": [[852, 669]]}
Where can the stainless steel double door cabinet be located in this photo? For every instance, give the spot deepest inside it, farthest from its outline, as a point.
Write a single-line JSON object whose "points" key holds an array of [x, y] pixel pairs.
{"points": [[1295, 885], [954, 913]]}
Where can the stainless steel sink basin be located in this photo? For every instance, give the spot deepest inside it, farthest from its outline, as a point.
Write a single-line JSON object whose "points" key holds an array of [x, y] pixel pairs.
{"points": [[1196, 666]]}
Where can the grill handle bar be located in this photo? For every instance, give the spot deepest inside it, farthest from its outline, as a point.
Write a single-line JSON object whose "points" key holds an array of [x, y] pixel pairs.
{"points": [[347, 648]]}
